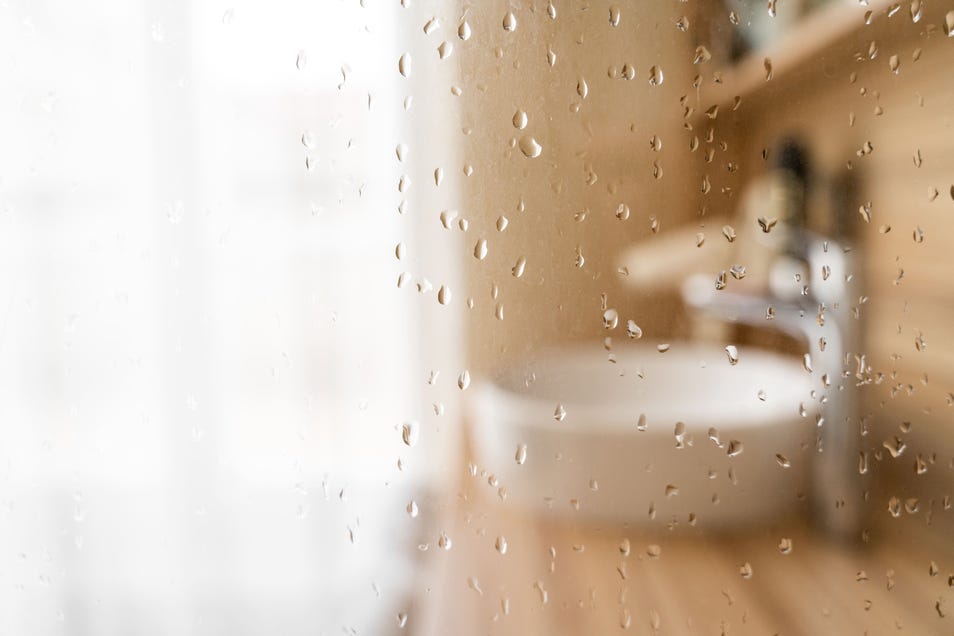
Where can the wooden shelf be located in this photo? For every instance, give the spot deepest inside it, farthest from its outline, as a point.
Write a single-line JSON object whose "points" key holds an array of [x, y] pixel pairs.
{"points": [[813, 33]]}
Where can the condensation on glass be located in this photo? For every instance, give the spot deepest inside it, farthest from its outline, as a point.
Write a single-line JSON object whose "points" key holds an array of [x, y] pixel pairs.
{"points": [[407, 316]]}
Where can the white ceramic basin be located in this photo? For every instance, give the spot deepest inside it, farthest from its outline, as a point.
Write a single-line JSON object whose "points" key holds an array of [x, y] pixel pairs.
{"points": [[597, 462]]}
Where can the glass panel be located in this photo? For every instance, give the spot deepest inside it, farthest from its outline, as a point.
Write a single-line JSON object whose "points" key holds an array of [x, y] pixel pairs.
{"points": [[407, 316]]}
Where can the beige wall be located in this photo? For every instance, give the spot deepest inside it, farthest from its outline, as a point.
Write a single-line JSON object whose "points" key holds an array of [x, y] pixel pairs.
{"points": [[606, 135]]}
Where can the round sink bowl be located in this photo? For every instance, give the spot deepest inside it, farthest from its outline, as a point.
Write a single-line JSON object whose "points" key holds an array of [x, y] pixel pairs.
{"points": [[636, 435]]}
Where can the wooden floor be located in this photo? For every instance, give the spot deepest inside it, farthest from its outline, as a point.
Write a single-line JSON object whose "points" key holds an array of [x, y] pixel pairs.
{"points": [[557, 577]]}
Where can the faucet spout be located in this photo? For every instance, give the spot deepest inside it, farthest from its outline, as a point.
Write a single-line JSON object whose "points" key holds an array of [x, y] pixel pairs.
{"points": [[818, 317]]}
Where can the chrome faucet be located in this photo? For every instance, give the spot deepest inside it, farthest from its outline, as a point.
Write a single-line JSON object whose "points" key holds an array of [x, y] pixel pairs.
{"points": [[808, 299]]}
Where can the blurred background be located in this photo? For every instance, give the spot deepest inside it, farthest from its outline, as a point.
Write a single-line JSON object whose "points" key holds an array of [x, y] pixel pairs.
{"points": [[505, 317]]}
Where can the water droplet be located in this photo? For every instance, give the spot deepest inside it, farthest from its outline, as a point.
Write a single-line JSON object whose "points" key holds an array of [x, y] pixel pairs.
{"points": [[519, 267], [520, 120], [865, 211], [785, 545], [807, 362], [399, 251], [510, 22], [679, 432], [579, 261], [728, 232], [655, 76], [502, 223], [521, 455], [480, 249], [733, 353], [702, 55], [559, 413], [894, 64], [501, 544], [444, 295], [633, 330], [412, 510], [404, 64], [614, 16], [529, 147], [746, 570], [463, 31], [766, 224], [782, 460], [444, 542], [431, 25], [713, 434], [474, 584], [622, 212], [916, 6], [444, 50], [654, 550], [447, 218], [767, 63], [463, 380], [301, 61], [653, 225], [544, 596], [949, 24], [582, 88], [734, 448], [610, 319], [401, 152], [894, 507], [551, 57], [410, 431], [895, 446], [624, 547], [641, 422]]}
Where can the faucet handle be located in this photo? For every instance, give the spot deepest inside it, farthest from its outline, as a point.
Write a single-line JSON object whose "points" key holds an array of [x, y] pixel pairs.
{"points": [[828, 271]]}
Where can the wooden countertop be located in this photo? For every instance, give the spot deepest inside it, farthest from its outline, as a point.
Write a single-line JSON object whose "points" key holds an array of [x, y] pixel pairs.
{"points": [[684, 585]]}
